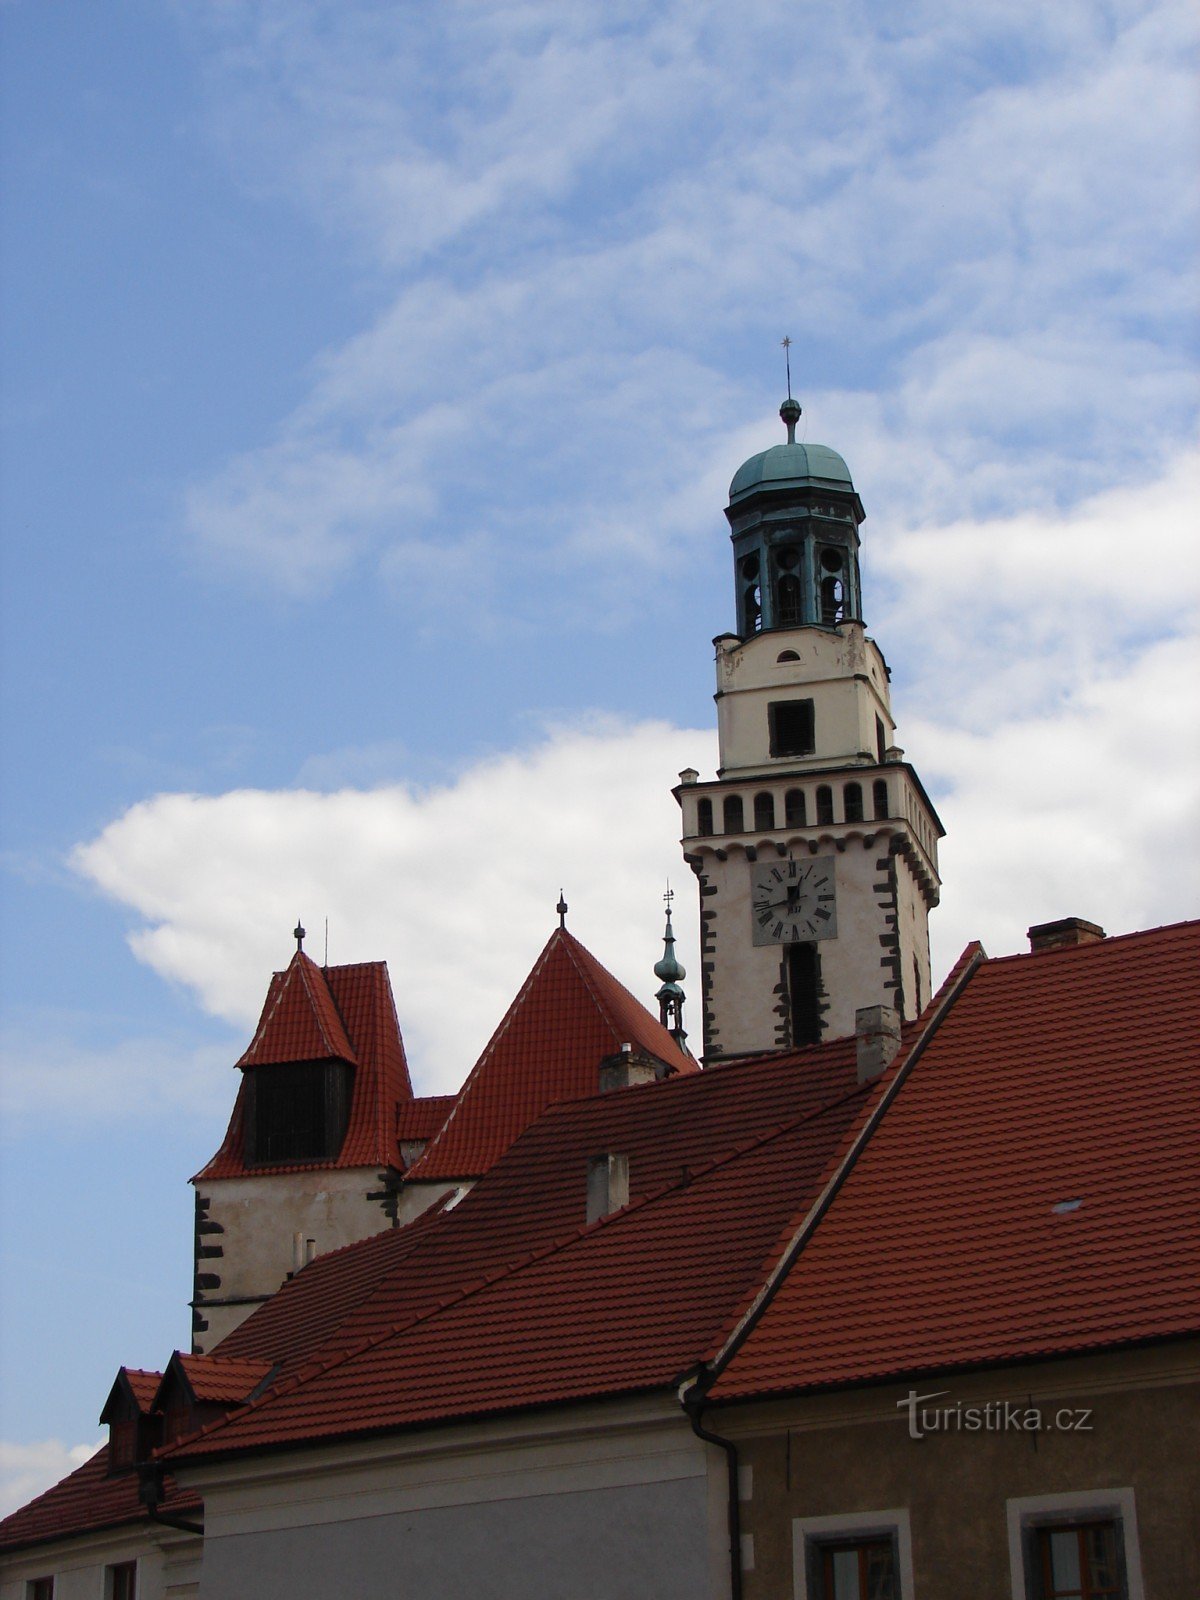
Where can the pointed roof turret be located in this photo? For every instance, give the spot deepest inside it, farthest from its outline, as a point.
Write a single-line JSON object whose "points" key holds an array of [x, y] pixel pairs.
{"points": [[570, 1014], [671, 997], [342, 1014]]}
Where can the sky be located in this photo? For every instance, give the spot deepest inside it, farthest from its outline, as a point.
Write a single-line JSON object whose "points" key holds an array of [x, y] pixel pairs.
{"points": [[373, 380]]}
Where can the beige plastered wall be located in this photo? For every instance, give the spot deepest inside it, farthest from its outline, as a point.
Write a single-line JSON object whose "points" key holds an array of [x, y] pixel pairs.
{"points": [[851, 1452]]}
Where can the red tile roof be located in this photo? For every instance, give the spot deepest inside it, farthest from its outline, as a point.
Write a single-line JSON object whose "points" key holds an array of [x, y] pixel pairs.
{"points": [[421, 1118], [87, 1500], [1032, 1191], [568, 1016], [221, 1379], [536, 1195], [342, 1013], [460, 1328]]}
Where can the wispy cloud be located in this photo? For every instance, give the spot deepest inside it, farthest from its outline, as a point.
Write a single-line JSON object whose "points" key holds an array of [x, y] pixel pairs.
{"points": [[579, 219]]}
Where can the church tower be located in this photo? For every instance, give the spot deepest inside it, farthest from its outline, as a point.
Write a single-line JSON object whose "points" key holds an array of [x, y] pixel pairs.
{"points": [[815, 848]]}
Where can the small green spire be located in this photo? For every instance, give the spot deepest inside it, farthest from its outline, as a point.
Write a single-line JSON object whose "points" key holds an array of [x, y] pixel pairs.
{"points": [[669, 969]]}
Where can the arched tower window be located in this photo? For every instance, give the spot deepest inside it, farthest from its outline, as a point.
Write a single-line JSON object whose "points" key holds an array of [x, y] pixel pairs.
{"points": [[704, 818], [734, 821], [880, 793], [824, 803], [852, 802], [751, 592], [833, 586], [794, 810], [764, 811], [788, 612]]}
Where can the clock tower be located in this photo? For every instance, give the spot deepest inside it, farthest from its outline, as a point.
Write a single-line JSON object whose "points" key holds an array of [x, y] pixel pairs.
{"points": [[815, 848]]}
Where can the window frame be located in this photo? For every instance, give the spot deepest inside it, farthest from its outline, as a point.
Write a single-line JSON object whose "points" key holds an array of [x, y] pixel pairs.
{"points": [[812, 1535], [807, 745], [40, 1588], [116, 1569], [1029, 1514]]}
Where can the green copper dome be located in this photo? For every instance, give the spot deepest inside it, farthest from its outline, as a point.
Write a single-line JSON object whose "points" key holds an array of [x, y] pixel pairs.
{"points": [[786, 466]]}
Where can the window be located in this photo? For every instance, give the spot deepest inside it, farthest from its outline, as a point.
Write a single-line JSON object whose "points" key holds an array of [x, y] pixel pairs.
{"points": [[864, 1570], [1078, 1546], [795, 812], [792, 727], [1079, 1562], [120, 1581], [734, 822], [824, 803], [751, 595], [880, 740], [298, 1110], [39, 1589], [804, 993], [879, 794], [852, 800], [704, 818], [787, 601], [864, 1555], [764, 810]]}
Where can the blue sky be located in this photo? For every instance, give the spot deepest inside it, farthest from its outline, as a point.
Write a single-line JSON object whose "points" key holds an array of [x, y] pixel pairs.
{"points": [[374, 376]]}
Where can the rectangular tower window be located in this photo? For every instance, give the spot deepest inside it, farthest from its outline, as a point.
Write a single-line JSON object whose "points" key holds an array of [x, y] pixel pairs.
{"points": [[880, 740], [792, 731], [297, 1110], [804, 993]]}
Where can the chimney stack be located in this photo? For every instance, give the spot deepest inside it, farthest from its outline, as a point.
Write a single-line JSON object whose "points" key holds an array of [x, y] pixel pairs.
{"points": [[626, 1068], [877, 1031], [1065, 934], [607, 1185]]}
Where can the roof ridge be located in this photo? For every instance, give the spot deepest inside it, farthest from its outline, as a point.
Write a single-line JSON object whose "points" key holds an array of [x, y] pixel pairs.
{"points": [[845, 1156], [1108, 940]]}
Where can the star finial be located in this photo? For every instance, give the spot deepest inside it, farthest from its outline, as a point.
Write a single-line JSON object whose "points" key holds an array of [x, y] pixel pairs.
{"points": [[787, 356], [562, 909], [298, 934]]}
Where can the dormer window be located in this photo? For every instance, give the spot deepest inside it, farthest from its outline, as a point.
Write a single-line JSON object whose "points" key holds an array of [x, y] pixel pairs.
{"points": [[297, 1111]]}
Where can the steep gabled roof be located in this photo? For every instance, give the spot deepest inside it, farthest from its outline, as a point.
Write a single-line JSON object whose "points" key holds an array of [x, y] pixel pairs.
{"points": [[329, 1013], [220, 1380], [133, 1386], [1032, 1191], [299, 1020], [87, 1500], [568, 1016]]}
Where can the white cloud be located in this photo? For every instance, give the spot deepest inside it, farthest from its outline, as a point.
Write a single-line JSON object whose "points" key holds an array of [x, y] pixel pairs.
{"points": [[1047, 698], [27, 1469], [455, 886]]}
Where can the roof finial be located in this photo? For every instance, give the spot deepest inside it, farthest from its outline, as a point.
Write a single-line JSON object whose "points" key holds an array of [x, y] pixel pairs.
{"points": [[298, 933], [790, 409], [670, 997], [562, 909]]}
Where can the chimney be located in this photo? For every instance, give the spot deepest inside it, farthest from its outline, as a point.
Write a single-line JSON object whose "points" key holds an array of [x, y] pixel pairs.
{"points": [[1064, 934], [877, 1031], [607, 1185], [626, 1068]]}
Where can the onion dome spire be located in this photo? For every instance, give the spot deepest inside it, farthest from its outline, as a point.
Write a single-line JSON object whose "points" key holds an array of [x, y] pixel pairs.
{"points": [[671, 997]]}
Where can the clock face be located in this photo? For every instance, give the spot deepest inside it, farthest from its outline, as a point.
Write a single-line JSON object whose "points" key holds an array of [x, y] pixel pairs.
{"points": [[792, 901]]}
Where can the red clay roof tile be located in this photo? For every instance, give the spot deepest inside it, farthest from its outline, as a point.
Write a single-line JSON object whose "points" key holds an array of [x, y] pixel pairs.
{"points": [[344, 1013], [1062, 1077], [85, 1501], [568, 1016]]}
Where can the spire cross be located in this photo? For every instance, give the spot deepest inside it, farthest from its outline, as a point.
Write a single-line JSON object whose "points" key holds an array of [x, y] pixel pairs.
{"points": [[562, 909], [668, 897], [298, 933]]}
